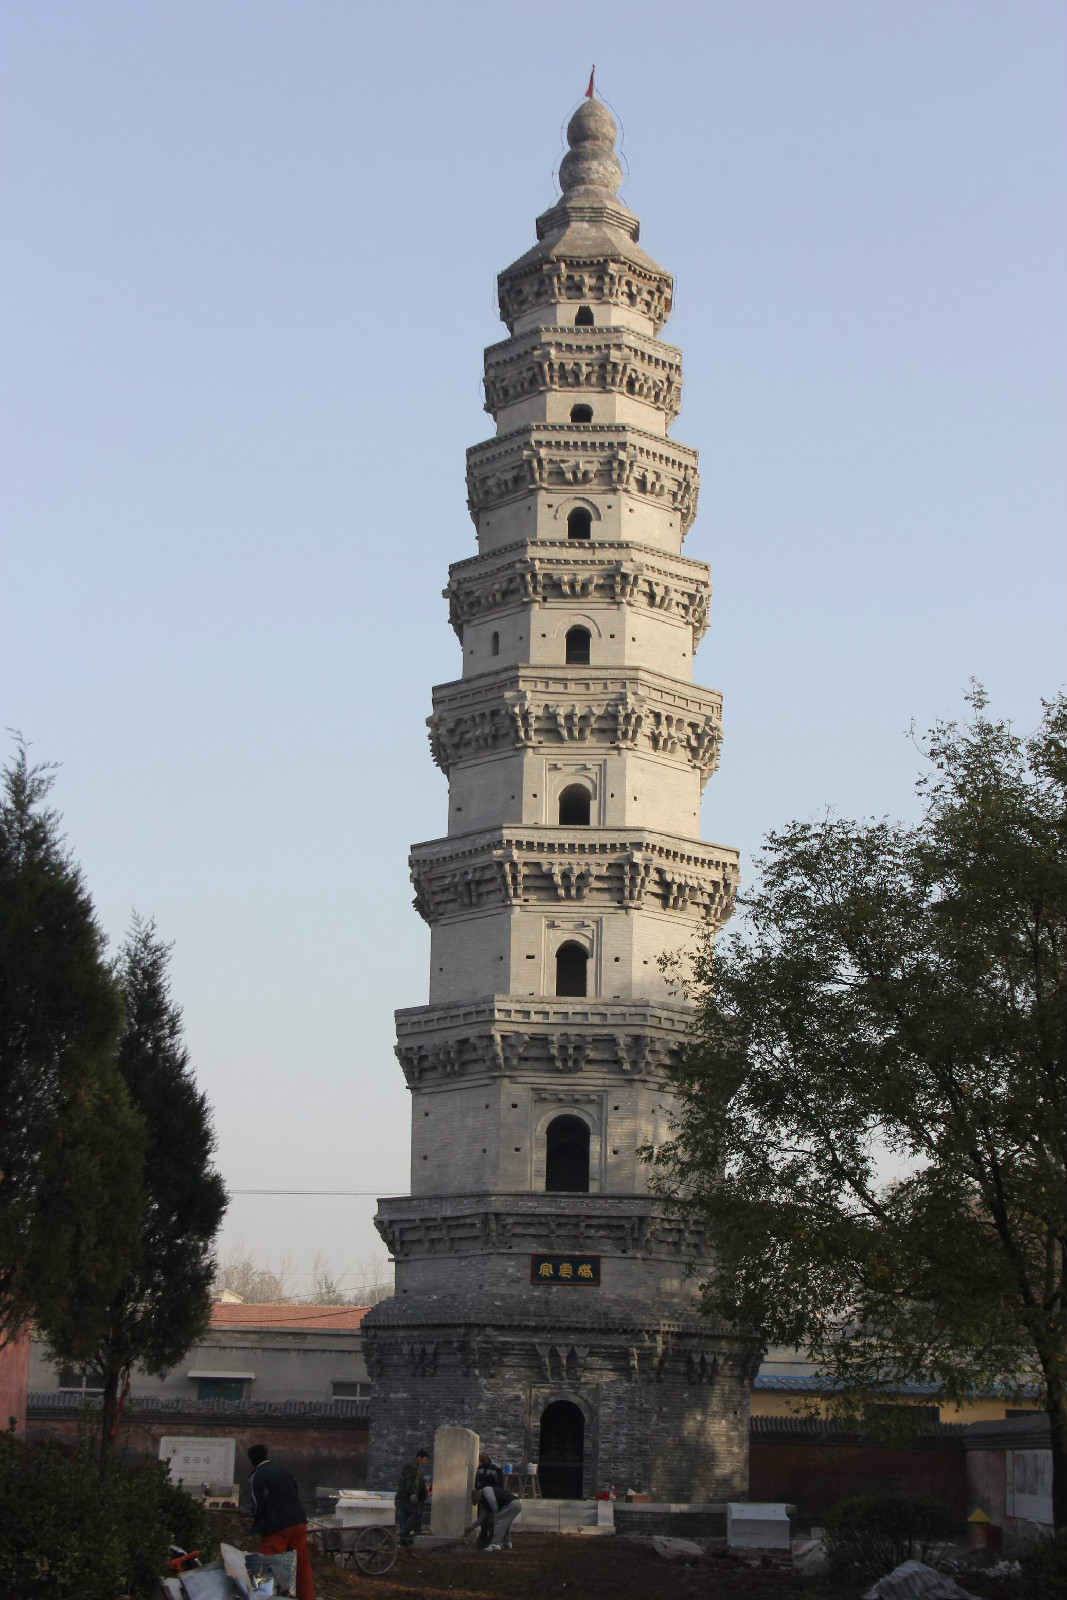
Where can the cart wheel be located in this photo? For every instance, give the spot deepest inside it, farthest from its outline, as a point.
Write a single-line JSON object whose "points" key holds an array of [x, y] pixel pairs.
{"points": [[375, 1551]]}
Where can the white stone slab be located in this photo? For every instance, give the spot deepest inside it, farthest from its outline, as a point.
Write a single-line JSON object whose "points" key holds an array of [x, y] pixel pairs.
{"points": [[559, 1516], [751, 1525], [195, 1461], [455, 1461], [366, 1508]]}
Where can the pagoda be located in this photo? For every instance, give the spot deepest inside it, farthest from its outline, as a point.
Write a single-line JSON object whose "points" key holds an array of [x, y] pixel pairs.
{"points": [[544, 1297]]}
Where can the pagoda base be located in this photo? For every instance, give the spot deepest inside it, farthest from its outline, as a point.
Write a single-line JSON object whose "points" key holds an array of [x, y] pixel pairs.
{"points": [[595, 1393]]}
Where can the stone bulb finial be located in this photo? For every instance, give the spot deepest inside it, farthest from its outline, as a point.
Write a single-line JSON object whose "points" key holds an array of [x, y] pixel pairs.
{"points": [[591, 161]]}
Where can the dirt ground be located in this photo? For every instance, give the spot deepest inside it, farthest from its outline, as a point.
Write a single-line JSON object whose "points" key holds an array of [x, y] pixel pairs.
{"points": [[551, 1567]]}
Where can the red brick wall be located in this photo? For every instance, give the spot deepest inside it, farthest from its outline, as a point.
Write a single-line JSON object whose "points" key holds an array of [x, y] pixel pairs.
{"points": [[327, 1457], [813, 1475]]}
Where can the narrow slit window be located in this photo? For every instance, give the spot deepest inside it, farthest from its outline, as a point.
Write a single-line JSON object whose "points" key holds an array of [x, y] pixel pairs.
{"points": [[494, 645]]}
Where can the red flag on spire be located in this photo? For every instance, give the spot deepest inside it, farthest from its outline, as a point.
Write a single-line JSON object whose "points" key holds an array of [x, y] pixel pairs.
{"points": [[589, 91]]}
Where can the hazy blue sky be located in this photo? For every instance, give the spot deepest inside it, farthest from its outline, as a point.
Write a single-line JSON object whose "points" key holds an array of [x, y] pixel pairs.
{"points": [[249, 276]]}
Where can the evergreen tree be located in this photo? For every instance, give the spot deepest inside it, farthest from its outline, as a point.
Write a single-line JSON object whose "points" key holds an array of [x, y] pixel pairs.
{"points": [[70, 1146], [163, 1301]]}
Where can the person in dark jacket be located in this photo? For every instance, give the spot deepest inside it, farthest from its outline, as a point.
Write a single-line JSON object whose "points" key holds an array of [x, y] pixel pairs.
{"points": [[498, 1508], [279, 1519], [411, 1494]]}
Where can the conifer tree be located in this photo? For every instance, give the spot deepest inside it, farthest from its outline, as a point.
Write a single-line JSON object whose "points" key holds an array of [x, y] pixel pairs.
{"points": [[70, 1147], [163, 1301]]}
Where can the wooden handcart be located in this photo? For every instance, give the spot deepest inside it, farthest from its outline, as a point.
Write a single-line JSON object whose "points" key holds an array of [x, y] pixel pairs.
{"points": [[362, 1533]]}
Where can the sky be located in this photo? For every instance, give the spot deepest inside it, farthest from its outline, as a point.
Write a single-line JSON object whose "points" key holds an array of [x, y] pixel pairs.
{"points": [[249, 274]]}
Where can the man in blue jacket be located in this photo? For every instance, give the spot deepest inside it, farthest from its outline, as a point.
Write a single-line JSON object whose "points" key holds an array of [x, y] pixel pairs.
{"points": [[279, 1519], [497, 1506]]}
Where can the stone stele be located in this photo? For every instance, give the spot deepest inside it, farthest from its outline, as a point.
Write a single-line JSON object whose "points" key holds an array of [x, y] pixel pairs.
{"points": [[455, 1461], [195, 1460]]}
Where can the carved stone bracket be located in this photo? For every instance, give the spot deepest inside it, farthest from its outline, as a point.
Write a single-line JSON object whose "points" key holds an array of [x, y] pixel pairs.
{"points": [[569, 1051]]}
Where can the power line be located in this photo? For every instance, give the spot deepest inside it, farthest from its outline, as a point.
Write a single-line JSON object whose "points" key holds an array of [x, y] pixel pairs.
{"points": [[351, 1194]]}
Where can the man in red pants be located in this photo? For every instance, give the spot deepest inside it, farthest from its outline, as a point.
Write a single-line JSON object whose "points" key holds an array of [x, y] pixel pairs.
{"points": [[280, 1520]]}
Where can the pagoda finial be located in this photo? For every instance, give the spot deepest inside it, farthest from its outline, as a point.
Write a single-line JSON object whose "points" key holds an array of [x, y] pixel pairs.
{"points": [[591, 162]]}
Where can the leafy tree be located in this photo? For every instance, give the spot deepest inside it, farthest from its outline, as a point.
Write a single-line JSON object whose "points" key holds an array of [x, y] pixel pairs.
{"points": [[163, 1300], [898, 994], [70, 1145]]}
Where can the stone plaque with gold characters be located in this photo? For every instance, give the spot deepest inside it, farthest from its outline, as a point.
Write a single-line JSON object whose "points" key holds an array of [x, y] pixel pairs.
{"points": [[566, 1269]]}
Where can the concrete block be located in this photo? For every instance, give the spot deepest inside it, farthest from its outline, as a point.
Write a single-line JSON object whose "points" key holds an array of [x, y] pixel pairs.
{"points": [[751, 1526]]}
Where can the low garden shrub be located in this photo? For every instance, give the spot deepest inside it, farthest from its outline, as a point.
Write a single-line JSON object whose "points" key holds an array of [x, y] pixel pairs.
{"points": [[871, 1534], [1044, 1567], [67, 1532]]}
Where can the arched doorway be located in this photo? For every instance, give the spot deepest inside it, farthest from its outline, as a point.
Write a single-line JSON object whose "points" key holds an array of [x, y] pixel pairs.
{"points": [[561, 1454], [567, 1156]]}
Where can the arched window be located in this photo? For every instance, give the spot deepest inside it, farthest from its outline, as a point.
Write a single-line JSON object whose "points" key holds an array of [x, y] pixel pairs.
{"points": [[578, 641], [494, 645], [584, 319], [567, 1156], [579, 523], [571, 963], [581, 413], [574, 808]]}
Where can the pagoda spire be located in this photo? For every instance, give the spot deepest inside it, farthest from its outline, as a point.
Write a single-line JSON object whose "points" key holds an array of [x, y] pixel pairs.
{"points": [[591, 162]]}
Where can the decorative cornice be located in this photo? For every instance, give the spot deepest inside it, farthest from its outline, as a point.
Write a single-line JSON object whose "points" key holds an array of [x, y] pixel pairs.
{"points": [[668, 1017], [497, 1052], [542, 571], [584, 360], [522, 707], [597, 279], [629, 868], [632, 1225], [615, 458]]}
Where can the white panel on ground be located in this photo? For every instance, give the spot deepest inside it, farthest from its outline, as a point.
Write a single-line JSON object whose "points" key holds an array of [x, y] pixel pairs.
{"points": [[757, 1527]]}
